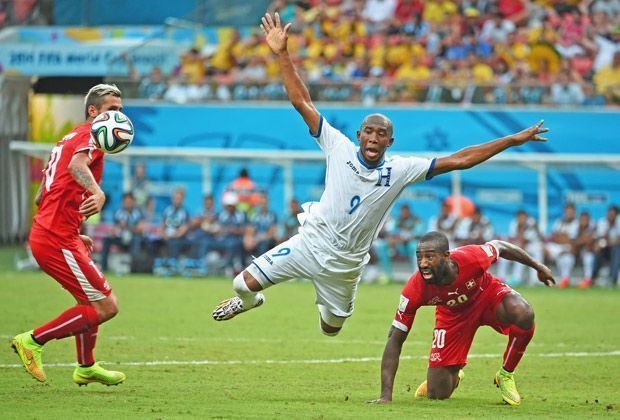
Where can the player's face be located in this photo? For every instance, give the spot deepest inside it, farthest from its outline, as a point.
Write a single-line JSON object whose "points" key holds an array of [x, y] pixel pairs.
{"points": [[375, 136], [110, 103], [128, 202], [432, 263]]}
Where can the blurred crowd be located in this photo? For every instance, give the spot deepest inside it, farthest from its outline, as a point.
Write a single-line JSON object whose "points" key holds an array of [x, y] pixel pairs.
{"points": [[575, 241], [554, 52], [25, 12], [228, 231], [220, 238]]}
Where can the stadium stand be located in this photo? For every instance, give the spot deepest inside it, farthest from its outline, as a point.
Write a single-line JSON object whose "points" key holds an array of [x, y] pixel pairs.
{"points": [[395, 54]]}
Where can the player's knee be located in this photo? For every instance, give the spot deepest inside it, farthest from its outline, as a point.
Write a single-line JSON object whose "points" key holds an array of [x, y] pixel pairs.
{"points": [[439, 392], [522, 315], [518, 311], [525, 316], [330, 324], [107, 311], [106, 308], [330, 331], [244, 282]]}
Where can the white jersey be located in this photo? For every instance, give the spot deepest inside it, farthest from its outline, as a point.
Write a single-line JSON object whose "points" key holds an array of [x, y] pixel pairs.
{"points": [[357, 199]]}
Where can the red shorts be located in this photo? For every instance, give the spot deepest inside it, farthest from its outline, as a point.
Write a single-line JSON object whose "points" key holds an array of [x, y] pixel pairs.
{"points": [[454, 331], [68, 261]]}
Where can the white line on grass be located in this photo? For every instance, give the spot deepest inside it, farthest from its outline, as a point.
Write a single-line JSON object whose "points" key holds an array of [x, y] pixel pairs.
{"points": [[251, 340], [317, 361]]}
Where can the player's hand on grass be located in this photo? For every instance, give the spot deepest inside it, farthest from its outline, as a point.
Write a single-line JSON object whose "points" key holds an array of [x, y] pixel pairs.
{"points": [[381, 400], [530, 134], [545, 276], [92, 205], [275, 35], [88, 241]]}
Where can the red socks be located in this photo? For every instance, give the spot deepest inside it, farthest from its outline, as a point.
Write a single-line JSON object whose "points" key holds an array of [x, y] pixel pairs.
{"points": [[85, 343], [518, 339], [73, 321]]}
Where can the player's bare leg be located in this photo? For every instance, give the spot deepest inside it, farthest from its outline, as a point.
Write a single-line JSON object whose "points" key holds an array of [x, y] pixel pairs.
{"points": [[88, 371], [328, 329], [440, 382], [76, 321], [516, 311], [330, 324], [248, 297], [106, 308]]}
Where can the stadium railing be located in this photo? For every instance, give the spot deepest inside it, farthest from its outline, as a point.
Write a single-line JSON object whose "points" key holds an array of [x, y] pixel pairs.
{"points": [[541, 163], [380, 90]]}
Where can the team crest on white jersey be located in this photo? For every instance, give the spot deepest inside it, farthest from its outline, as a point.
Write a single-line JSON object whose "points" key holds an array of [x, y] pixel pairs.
{"points": [[384, 176]]}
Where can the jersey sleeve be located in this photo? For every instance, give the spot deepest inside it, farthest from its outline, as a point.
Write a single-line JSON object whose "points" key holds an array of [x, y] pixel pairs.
{"points": [[410, 301], [327, 136], [83, 143], [419, 169], [480, 256]]}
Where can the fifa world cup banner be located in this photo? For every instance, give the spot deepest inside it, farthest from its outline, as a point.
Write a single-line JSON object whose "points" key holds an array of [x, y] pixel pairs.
{"points": [[99, 59]]}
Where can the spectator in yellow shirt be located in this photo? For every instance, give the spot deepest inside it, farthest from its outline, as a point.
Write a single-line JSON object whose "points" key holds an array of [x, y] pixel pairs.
{"points": [[607, 80], [436, 11], [409, 76], [193, 65]]}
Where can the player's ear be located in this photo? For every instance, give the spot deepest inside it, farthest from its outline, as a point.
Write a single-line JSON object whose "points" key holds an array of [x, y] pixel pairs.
{"points": [[357, 134], [390, 142], [92, 111]]}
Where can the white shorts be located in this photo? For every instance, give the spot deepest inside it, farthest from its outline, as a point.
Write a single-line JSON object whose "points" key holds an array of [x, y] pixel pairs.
{"points": [[335, 283]]}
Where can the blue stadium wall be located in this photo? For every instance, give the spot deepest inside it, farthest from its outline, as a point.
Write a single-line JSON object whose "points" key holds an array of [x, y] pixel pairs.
{"points": [[155, 12], [498, 192]]}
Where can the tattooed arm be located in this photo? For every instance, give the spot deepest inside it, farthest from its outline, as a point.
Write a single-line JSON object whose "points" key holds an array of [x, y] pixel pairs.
{"points": [[79, 169]]}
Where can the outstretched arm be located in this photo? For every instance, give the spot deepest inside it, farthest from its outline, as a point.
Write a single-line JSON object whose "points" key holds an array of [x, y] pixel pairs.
{"points": [[514, 253], [389, 364], [277, 39], [473, 155]]}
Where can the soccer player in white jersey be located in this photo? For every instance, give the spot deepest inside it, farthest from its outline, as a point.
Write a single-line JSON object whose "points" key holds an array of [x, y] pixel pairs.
{"points": [[361, 186]]}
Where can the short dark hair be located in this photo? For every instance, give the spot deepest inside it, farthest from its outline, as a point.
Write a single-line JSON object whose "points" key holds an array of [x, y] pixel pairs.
{"points": [[440, 240]]}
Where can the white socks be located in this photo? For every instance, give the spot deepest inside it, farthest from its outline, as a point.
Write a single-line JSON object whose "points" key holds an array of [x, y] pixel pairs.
{"points": [[248, 297]]}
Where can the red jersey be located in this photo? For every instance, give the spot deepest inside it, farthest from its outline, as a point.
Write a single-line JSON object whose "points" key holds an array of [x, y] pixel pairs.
{"points": [[473, 261], [61, 194]]}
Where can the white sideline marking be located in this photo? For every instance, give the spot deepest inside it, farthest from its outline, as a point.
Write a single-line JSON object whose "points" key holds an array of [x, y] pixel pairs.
{"points": [[255, 340], [316, 361]]}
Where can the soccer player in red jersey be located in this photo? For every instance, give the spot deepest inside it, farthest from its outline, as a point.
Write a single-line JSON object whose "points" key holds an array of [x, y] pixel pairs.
{"points": [[466, 297], [70, 193]]}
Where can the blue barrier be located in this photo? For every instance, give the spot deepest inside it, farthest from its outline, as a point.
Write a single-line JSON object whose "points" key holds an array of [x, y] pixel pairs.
{"points": [[154, 12], [441, 131]]}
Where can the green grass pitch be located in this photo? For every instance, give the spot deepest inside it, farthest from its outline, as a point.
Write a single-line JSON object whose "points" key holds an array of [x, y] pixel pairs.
{"points": [[274, 362]]}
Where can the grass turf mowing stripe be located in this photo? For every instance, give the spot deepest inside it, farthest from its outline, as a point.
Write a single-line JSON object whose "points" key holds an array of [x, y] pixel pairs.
{"points": [[316, 361]]}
